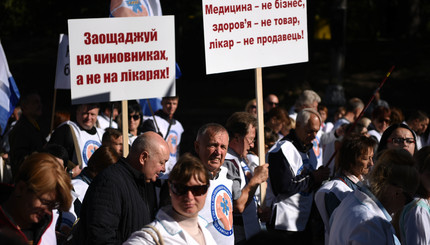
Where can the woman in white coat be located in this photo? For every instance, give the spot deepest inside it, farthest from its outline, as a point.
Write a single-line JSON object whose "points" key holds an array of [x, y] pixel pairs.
{"points": [[180, 223], [354, 161], [415, 218], [364, 216]]}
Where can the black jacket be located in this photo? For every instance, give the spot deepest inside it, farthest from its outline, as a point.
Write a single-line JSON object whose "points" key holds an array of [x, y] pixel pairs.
{"points": [[117, 203], [24, 139]]}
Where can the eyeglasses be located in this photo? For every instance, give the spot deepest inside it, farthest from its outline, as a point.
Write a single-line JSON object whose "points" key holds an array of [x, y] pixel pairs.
{"points": [[50, 204], [399, 141], [180, 189], [250, 141], [253, 107], [135, 117]]}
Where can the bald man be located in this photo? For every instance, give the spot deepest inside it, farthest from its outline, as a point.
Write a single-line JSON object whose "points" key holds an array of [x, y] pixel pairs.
{"points": [[121, 199]]}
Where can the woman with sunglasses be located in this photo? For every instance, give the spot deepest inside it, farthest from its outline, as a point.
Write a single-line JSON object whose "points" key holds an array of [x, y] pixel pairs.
{"points": [[180, 223], [415, 217], [41, 185], [365, 215], [398, 136], [381, 120], [135, 121]]}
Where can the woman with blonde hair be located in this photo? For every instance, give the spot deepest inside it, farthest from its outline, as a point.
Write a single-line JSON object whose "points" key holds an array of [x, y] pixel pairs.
{"points": [[41, 185], [365, 215]]}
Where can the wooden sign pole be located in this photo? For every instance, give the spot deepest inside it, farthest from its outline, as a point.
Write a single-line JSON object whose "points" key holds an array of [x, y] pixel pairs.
{"points": [[124, 120], [260, 128]]}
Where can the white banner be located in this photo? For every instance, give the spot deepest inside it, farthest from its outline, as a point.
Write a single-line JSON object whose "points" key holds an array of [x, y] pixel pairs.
{"points": [[245, 34], [113, 59], [62, 75]]}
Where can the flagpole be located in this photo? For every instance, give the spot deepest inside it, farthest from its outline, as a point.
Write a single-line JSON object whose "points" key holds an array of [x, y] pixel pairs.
{"points": [[362, 112]]}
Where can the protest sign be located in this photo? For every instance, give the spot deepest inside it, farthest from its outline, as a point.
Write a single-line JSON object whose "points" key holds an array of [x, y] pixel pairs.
{"points": [[113, 59], [250, 34], [62, 75]]}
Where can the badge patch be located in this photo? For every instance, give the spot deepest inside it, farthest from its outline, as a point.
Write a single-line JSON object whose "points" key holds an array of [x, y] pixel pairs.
{"points": [[89, 148], [222, 210]]}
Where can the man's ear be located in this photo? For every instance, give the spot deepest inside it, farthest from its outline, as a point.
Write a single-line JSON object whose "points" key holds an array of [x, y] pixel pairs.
{"points": [[143, 157]]}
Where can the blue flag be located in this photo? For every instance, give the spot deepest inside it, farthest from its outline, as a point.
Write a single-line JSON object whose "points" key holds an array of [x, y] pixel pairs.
{"points": [[9, 94]]}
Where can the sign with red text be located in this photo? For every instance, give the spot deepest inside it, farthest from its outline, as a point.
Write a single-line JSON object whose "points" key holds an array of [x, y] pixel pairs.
{"points": [[113, 59], [245, 34]]}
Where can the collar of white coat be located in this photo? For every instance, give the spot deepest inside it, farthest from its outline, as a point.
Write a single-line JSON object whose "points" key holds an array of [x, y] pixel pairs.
{"points": [[170, 225]]}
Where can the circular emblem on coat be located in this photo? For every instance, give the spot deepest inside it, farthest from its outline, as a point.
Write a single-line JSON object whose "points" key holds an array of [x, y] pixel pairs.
{"points": [[222, 210], [89, 148], [316, 147], [173, 141]]}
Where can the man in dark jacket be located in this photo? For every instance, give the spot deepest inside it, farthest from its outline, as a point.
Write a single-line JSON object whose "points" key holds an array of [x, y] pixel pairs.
{"points": [[26, 136], [121, 199]]}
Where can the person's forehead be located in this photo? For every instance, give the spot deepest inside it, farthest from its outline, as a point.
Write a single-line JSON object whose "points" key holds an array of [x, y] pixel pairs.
{"points": [[119, 139], [86, 108], [313, 121], [251, 130], [401, 132], [272, 98], [216, 136], [170, 100]]}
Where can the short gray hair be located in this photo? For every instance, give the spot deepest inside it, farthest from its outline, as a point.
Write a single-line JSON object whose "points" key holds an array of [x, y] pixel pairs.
{"points": [[304, 115], [307, 98], [212, 127]]}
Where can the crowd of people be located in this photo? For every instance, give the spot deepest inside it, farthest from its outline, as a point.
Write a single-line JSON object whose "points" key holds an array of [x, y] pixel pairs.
{"points": [[360, 177]]}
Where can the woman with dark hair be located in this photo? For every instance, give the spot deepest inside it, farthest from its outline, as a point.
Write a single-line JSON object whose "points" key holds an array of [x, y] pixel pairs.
{"points": [[415, 217], [102, 158], [381, 120], [180, 223], [398, 136], [354, 161], [365, 215], [41, 185], [135, 121]]}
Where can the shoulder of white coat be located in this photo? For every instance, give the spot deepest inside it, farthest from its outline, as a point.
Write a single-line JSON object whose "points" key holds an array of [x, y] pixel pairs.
{"points": [[141, 237]]}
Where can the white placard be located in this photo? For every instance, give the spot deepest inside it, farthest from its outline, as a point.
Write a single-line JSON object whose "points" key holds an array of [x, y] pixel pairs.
{"points": [[113, 59], [249, 34], [62, 75]]}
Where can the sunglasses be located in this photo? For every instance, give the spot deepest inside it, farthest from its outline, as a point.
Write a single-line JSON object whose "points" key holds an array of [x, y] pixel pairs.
{"points": [[180, 189], [272, 103], [381, 120], [135, 117]]}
